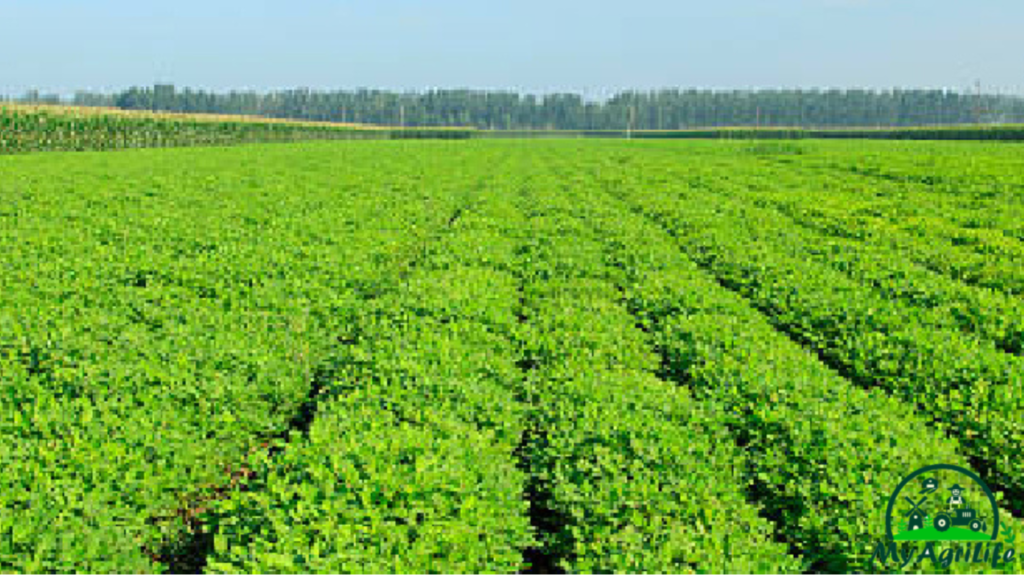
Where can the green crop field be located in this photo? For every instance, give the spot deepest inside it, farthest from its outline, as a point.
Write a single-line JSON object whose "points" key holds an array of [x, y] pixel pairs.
{"points": [[501, 355], [47, 128]]}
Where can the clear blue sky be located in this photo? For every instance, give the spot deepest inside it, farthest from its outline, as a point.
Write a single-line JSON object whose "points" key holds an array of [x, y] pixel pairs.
{"points": [[532, 45]]}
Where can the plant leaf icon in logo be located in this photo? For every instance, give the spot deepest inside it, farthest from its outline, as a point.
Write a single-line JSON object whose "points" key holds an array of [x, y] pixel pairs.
{"points": [[1008, 534]]}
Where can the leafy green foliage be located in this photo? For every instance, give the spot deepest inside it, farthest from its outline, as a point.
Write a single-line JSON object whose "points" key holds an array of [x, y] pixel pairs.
{"points": [[640, 476], [491, 357], [650, 110], [31, 129], [409, 466], [165, 313]]}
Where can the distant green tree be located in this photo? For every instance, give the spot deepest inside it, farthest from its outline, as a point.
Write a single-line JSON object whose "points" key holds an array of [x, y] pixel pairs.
{"points": [[662, 109]]}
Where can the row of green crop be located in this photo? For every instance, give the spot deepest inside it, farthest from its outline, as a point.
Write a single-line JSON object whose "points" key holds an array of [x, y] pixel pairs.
{"points": [[24, 130], [967, 385], [942, 300], [634, 474], [977, 170], [409, 466], [614, 455], [482, 333], [992, 132], [35, 130], [923, 260], [815, 225], [164, 313], [970, 237], [1012, 133], [978, 257], [822, 455], [693, 134]]}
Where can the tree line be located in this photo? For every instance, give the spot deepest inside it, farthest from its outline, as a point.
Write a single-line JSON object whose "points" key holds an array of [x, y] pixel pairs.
{"points": [[671, 109]]}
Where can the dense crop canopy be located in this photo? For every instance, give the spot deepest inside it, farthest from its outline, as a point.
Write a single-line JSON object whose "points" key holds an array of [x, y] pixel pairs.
{"points": [[499, 356]]}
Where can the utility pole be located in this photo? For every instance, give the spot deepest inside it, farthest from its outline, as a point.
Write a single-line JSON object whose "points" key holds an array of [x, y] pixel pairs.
{"points": [[977, 103], [401, 116], [632, 119]]}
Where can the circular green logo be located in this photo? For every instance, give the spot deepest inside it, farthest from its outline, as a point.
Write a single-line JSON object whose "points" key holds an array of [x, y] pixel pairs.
{"points": [[950, 505]]}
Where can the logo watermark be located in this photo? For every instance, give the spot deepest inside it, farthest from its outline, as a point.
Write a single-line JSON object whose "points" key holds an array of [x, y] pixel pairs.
{"points": [[945, 514]]}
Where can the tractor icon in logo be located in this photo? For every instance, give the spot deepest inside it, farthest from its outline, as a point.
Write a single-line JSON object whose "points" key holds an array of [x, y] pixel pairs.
{"points": [[929, 516], [959, 515]]}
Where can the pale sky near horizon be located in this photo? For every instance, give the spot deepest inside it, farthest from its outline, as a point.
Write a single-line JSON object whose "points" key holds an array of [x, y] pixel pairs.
{"points": [[594, 46]]}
